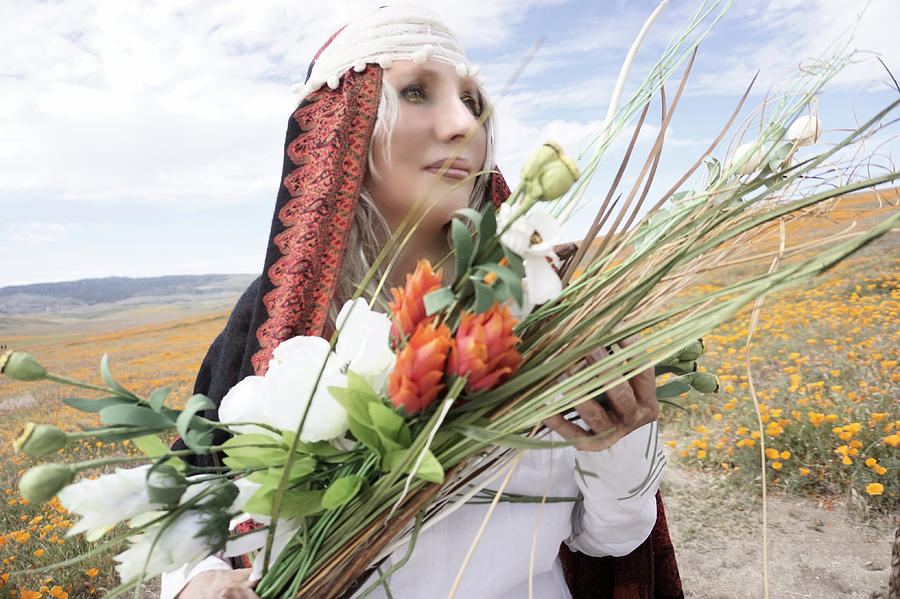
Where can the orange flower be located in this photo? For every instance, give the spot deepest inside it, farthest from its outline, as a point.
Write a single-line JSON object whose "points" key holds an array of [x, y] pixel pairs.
{"points": [[408, 307], [874, 488], [484, 348], [57, 592], [92, 572], [416, 379], [31, 595], [892, 440]]}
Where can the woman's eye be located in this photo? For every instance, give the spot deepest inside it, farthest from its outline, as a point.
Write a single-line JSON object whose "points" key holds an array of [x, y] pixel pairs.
{"points": [[414, 93], [472, 103]]}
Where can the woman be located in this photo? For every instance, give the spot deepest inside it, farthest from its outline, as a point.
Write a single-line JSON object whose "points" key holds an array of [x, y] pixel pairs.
{"points": [[397, 78]]}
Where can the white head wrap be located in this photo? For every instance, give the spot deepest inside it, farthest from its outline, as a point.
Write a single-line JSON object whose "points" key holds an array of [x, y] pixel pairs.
{"points": [[406, 31]]}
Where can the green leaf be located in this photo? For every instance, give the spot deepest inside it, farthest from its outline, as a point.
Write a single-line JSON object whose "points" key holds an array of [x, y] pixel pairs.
{"points": [[487, 229], [95, 405], [341, 491], [511, 279], [299, 504], [462, 246], [778, 154], [672, 389], [514, 261], [471, 214], [186, 418], [484, 297], [110, 381], [154, 448], [158, 397], [255, 450], [714, 169], [389, 424], [438, 299], [430, 469], [132, 415], [367, 435]]}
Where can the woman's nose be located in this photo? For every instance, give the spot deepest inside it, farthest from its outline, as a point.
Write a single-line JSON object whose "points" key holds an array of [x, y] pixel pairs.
{"points": [[455, 120]]}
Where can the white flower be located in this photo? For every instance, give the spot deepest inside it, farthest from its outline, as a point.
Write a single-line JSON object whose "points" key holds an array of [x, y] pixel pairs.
{"points": [[241, 404], [755, 158], [363, 343], [284, 532], [290, 383], [107, 500], [805, 130], [164, 547], [533, 237]]}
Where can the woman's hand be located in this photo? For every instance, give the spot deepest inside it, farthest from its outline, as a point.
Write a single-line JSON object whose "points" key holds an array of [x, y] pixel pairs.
{"points": [[630, 405], [220, 584]]}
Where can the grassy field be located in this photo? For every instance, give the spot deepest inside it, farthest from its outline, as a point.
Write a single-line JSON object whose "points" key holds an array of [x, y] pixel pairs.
{"points": [[824, 364]]}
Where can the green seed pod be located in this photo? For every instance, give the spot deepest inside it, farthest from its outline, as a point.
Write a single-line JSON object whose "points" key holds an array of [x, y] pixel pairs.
{"points": [[692, 352], [704, 382], [165, 484], [21, 366], [556, 178], [39, 439], [539, 158], [43, 482]]}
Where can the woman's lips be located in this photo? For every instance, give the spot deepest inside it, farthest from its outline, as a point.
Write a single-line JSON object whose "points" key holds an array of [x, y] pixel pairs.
{"points": [[457, 170], [451, 173]]}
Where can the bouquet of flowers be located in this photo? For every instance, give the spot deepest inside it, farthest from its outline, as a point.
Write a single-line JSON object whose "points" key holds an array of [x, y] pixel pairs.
{"points": [[347, 448]]}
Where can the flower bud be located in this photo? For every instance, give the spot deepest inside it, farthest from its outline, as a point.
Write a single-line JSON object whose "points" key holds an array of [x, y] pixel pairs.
{"points": [[21, 366], [165, 484], [692, 352], [555, 179], [805, 130], [43, 482], [539, 158], [39, 439], [754, 158], [704, 382]]}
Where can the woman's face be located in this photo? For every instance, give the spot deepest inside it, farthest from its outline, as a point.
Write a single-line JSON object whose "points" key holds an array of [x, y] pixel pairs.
{"points": [[438, 109]]}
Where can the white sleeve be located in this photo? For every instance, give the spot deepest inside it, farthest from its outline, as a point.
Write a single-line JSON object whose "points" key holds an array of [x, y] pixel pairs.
{"points": [[173, 582], [619, 488]]}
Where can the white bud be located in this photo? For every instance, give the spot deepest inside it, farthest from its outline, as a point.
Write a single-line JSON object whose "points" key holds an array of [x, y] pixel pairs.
{"points": [[805, 130], [754, 158]]}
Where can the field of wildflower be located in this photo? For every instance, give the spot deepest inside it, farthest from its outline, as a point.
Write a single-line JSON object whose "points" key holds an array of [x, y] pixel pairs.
{"points": [[824, 368], [823, 364]]}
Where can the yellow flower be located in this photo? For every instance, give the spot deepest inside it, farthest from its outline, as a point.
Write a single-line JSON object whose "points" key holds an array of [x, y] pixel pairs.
{"points": [[892, 440], [772, 454], [803, 471], [785, 455], [847, 461], [880, 470], [701, 454], [870, 462], [874, 488], [776, 465]]}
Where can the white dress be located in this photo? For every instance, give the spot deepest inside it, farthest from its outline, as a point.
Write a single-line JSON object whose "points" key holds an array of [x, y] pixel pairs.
{"points": [[612, 519]]}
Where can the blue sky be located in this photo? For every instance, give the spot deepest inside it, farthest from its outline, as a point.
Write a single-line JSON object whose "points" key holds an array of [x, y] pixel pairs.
{"points": [[145, 138]]}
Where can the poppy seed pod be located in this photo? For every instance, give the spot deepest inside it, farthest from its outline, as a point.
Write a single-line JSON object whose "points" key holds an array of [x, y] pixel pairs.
{"points": [[704, 382], [805, 130], [39, 439], [43, 482], [692, 352], [539, 158], [21, 366], [554, 179]]}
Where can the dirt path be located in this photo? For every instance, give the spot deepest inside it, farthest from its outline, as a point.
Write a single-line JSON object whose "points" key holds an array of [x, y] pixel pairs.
{"points": [[814, 552]]}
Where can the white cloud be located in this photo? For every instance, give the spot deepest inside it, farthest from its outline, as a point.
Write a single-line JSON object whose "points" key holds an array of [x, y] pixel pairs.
{"points": [[33, 233]]}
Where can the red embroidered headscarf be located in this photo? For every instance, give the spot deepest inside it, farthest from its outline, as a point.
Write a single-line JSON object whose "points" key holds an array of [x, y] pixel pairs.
{"points": [[325, 162]]}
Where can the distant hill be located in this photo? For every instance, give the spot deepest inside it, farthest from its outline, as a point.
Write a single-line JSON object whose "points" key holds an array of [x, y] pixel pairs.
{"points": [[82, 294]]}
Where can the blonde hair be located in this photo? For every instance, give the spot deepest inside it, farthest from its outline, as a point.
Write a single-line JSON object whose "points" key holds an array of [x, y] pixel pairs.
{"points": [[369, 230]]}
